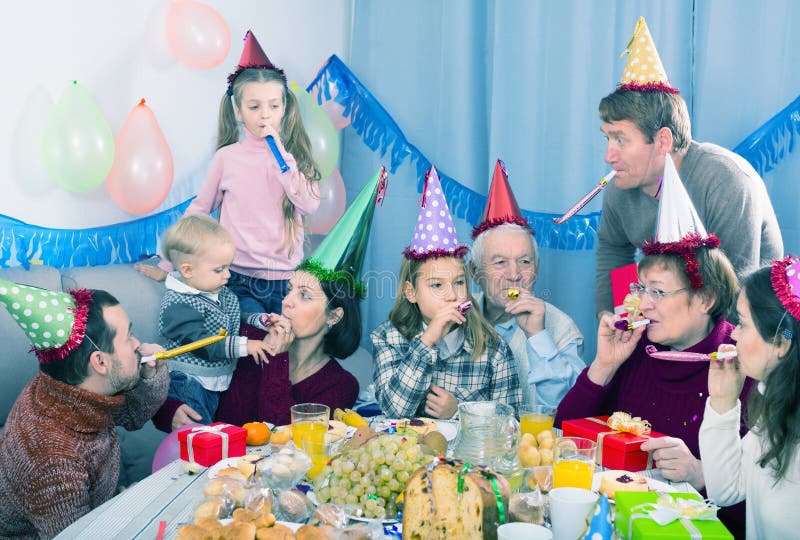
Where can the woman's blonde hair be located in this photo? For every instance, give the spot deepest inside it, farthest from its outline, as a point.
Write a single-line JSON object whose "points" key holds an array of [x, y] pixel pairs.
{"points": [[292, 133], [407, 318]]}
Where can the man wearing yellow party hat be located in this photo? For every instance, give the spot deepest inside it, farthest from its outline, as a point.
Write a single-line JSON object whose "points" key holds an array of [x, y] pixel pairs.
{"points": [[644, 119], [60, 451]]}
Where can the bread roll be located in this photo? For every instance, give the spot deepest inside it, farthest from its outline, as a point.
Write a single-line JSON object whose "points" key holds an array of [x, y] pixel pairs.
{"points": [[238, 530], [311, 532], [278, 532], [232, 472]]}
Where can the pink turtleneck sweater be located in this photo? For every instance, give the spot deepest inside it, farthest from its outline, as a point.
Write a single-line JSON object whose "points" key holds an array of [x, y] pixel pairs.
{"points": [[244, 180]]}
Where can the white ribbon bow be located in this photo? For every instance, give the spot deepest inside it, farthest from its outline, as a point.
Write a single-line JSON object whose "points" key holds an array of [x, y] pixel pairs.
{"points": [[217, 430], [666, 510]]}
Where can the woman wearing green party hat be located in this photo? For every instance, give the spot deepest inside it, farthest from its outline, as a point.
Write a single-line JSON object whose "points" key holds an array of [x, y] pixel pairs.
{"points": [[320, 321]]}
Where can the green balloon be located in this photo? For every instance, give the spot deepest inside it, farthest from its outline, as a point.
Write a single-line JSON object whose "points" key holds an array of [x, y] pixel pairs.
{"points": [[77, 146], [318, 125]]}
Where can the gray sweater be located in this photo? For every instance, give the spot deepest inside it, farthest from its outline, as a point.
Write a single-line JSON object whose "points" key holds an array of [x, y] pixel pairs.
{"points": [[730, 198]]}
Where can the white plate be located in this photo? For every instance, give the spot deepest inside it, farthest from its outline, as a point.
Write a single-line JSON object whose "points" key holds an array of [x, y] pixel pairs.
{"points": [[448, 428], [293, 526], [652, 484]]}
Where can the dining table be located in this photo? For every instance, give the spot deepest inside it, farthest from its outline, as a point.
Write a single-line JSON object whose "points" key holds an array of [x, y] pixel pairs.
{"points": [[167, 499]]}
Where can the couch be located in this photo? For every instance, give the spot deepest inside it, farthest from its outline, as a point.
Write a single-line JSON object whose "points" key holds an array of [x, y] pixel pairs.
{"points": [[141, 298]]}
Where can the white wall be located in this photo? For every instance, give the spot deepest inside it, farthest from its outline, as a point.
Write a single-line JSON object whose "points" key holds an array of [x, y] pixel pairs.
{"points": [[118, 51]]}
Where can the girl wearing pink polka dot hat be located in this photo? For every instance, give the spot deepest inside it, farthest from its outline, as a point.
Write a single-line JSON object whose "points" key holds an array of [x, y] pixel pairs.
{"points": [[435, 351], [763, 466]]}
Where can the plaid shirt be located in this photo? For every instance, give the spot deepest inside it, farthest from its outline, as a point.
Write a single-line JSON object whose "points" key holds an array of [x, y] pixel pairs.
{"points": [[405, 371]]}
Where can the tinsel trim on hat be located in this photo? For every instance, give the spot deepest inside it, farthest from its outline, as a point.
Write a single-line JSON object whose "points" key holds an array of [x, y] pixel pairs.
{"points": [[781, 286], [232, 76], [316, 269], [458, 252], [83, 298], [649, 87], [494, 222], [685, 248]]}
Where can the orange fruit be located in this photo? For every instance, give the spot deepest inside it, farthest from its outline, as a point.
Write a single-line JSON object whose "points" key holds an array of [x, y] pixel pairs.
{"points": [[257, 433]]}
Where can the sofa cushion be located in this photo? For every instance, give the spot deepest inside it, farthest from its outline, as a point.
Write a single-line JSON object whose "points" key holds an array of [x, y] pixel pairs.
{"points": [[139, 296], [18, 364]]}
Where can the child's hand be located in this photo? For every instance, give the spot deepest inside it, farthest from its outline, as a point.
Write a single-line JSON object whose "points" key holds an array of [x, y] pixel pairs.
{"points": [[440, 403], [184, 416], [258, 350], [153, 272], [442, 322], [269, 130], [279, 336], [725, 381]]}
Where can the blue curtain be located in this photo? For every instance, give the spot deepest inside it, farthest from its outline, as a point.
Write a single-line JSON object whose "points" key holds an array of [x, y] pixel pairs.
{"points": [[469, 81]]}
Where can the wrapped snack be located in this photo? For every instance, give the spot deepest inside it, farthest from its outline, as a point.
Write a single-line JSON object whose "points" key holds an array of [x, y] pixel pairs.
{"points": [[259, 500], [215, 507], [227, 488], [293, 505], [284, 469], [527, 507], [330, 514]]}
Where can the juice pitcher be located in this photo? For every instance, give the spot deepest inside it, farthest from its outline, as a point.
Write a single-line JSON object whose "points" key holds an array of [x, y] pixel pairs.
{"points": [[489, 435]]}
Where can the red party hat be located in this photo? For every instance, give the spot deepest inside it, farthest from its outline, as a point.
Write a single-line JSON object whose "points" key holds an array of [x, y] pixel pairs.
{"points": [[253, 56], [501, 206]]}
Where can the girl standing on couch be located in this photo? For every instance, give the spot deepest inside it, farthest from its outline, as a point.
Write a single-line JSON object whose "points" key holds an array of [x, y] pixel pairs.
{"points": [[433, 353], [261, 206]]}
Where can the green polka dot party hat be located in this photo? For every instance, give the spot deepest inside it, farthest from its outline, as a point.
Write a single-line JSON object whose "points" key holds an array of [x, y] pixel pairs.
{"points": [[53, 321]]}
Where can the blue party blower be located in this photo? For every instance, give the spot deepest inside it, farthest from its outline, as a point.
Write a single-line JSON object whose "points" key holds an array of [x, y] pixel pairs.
{"points": [[275, 152]]}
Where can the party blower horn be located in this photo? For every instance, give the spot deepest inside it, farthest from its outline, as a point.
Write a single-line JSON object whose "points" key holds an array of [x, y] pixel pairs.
{"points": [[177, 351], [586, 198], [275, 152]]}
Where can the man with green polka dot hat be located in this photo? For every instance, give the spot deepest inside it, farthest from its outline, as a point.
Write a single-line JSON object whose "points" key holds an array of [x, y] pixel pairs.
{"points": [[645, 119], [60, 451]]}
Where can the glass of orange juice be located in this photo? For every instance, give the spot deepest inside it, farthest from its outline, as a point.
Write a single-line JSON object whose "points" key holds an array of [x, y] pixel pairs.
{"points": [[536, 419], [573, 462], [309, 420], [319, 451]]}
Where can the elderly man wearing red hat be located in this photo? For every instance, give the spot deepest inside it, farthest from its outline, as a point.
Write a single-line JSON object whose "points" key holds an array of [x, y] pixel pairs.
{"points": [[59, 452], [504, 262], [643, 120]]}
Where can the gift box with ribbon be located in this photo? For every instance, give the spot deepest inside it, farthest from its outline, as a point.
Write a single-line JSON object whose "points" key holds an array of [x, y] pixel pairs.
{"points": [[641, 515], [619, 439], [207, 445]]}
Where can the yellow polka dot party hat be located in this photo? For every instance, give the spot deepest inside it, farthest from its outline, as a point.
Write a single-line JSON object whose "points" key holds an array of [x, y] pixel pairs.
{"points": [[644, 71]]}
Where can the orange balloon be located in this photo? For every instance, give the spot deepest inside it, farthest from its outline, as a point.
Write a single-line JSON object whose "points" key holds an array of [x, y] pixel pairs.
{"points": [[142, 173], [197, 34]]}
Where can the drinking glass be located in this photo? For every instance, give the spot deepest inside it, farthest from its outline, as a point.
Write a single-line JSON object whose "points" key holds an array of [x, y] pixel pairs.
{"points": [[573, 462], [319, 451], [309, 420], [536, 419]]}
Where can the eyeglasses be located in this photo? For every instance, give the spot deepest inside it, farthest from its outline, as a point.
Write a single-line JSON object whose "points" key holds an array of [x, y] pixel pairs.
{"points": [[637, 289]]}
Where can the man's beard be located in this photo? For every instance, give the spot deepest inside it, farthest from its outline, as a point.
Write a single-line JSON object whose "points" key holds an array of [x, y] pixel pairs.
{"points": [[120, 383]]}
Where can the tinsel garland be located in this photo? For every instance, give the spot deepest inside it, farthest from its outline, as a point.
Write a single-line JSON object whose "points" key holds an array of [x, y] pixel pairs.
{"points": [[685, 248], [315, 268]]}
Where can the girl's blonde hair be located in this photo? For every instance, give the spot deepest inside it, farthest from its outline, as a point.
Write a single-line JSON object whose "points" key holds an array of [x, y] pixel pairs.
{"points": [[407, 318], [292, 133]]}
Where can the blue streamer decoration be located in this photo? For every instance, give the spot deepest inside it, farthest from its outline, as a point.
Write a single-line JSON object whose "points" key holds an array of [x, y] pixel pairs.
{"points": [[24, 244], [770, 143]]}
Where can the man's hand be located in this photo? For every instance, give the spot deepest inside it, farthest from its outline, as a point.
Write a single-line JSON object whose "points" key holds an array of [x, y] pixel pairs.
{"points": [[529, 312], [440, 403], [148, 369], [676, 462], [184, 416]]}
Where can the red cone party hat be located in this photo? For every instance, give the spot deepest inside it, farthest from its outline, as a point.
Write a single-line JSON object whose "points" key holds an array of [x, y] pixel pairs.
{"points": [[253, 56], [501, 206]]}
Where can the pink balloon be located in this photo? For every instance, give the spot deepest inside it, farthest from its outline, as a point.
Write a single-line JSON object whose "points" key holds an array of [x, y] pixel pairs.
{"points": [[331, 206], [334, 112], [170, 449], [142, 173], [197, 35]]}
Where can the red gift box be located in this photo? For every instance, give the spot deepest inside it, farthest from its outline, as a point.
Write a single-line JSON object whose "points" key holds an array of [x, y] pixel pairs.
{"points": [[207, 445], [615, 449]]}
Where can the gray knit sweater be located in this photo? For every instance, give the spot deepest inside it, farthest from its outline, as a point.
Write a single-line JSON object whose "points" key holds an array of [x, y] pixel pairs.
{"points": [[730, 198]]}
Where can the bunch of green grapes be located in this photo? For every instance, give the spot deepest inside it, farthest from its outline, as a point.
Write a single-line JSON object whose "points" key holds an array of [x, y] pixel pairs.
{"points": [[372, 476]]}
